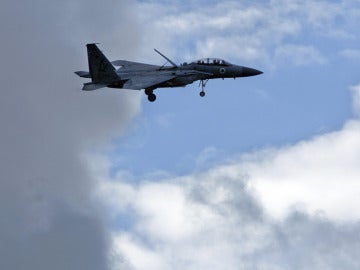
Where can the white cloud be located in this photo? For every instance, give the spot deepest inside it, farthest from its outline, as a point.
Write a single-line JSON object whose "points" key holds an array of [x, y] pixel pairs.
{"points": [[250, 32], [356, 99], [295, 207], [138, 255], [298, 55], [351, 54], [225, 228], [322, 174]]}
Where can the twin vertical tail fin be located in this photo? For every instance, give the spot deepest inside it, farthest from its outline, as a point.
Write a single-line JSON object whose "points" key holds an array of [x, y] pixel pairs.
{"points": [[101, 71]]}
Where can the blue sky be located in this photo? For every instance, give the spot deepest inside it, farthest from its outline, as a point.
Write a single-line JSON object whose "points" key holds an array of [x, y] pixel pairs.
{"points": [[300, 94]]}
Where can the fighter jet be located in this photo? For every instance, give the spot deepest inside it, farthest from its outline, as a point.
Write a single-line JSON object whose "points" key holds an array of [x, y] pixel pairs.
{"points": [[138, 76]]}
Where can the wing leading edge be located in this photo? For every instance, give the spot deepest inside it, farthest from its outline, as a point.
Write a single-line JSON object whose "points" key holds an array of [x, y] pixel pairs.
{"points": [[134, 66]]}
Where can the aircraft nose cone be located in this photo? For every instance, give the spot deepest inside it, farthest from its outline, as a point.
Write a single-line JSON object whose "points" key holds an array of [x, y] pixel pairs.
{"points": [[247, 72]]}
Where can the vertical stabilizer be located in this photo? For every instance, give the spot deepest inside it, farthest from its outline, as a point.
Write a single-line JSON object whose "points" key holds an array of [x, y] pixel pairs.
{"points": [[101, 70]]}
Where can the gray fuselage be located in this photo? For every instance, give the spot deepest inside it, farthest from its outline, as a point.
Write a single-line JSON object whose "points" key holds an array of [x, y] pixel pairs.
{"points": [[188, 73]]}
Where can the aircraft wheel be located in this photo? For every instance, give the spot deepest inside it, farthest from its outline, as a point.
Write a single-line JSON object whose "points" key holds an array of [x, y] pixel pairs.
{"points": [[148, 91], [152, 97], [202, 94]]}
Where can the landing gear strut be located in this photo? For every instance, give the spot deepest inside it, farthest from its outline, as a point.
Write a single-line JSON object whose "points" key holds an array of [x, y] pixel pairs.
{"points": [[150, 94], [203, 84]]}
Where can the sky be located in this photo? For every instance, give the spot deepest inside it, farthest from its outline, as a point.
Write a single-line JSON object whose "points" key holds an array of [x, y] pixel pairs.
{"points": [[261, 173]]}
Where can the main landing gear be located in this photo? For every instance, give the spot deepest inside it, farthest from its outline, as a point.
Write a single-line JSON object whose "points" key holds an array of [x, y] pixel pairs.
{"points": [[150, 94], [202, 83]]}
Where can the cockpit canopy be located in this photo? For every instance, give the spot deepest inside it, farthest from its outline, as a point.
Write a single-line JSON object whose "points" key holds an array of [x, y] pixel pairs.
{"points": [[212, 62]]}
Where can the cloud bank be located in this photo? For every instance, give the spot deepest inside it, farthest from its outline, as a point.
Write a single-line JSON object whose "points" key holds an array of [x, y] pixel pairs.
{"points": [[295, 207], [49, 218]]}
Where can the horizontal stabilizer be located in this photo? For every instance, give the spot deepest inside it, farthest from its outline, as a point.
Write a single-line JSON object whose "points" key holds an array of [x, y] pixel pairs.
{"points": [[83, 74], [92, 86]]}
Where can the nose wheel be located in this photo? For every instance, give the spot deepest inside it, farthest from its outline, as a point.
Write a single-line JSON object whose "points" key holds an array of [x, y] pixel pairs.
{"points": [[203, 84], [150, 94]]}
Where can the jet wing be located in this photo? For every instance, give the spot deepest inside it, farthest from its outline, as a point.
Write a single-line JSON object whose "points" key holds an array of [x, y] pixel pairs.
{"points": [[134, 66], [141, 82]]}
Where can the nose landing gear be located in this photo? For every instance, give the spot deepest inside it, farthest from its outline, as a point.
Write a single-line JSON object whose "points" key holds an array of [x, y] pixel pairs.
{"points": [[202, 83]]}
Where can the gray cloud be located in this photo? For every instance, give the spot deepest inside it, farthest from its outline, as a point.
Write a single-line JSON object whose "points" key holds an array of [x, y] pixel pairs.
{"points": [[304, 242], [215, 220], [300, 241], [48, 218]]}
